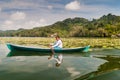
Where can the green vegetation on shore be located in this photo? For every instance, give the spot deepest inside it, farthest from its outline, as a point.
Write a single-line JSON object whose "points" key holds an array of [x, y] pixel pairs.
{"points": [[68, 42], [105, 26]]}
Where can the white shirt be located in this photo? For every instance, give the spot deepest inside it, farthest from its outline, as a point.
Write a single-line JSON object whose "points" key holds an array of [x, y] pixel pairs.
{"points": [[58, 44]]}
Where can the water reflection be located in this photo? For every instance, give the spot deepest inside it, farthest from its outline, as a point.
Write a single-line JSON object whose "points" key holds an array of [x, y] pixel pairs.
{"points": [[39, 67], [112, 64], [30, 53], [25, 53], [19, 58], [35, 65], [73, 71], [22, 65], [57, 57]]}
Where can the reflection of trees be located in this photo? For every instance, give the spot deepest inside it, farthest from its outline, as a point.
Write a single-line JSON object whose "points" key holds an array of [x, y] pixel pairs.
{"points": [[112, 64]]}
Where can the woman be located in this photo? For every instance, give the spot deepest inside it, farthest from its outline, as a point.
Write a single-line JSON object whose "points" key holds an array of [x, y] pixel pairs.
{"points": [[57, 45]]}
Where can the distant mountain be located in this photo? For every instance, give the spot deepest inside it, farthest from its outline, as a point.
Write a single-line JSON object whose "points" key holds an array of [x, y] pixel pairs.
{"points": [[105, 26]]}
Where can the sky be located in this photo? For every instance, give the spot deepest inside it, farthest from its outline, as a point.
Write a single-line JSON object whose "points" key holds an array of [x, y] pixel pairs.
{"points": [[27, 14]]}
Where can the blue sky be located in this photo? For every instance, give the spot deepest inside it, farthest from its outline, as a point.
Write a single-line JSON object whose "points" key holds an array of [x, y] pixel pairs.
{"points": [[15, 14]]}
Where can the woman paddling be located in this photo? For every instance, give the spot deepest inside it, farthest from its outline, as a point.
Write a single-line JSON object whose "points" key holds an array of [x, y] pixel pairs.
{"points": [[57, 45]]}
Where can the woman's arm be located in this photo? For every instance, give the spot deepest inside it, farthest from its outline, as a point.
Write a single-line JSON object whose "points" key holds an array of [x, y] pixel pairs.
{"points": [[56, 44]]}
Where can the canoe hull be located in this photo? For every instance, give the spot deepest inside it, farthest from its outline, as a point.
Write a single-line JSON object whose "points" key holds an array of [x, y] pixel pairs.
{"points": [[13, 47]]}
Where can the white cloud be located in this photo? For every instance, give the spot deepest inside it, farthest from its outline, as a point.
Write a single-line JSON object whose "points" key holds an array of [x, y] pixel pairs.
{"points": [[75, 5], [26, 24], [18, 16], [0, 9], [28, 13], [42, 21], [50, 7], [33, 23], [8, 23], [14, 21]]}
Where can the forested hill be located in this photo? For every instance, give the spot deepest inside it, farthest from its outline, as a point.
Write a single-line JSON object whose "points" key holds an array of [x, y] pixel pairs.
{"points": [[105, 26]]}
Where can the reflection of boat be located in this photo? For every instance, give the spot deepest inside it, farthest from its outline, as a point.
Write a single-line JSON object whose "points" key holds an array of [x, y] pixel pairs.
{"points": [[25, 53], [13, 47], [32, 53]]}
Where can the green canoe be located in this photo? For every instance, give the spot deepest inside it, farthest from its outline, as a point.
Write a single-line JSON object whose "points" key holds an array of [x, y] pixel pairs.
{"points": [[14, 47]]}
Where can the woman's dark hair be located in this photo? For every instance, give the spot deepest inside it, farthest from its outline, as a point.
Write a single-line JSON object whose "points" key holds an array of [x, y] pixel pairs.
{"points": [[57, 36]]}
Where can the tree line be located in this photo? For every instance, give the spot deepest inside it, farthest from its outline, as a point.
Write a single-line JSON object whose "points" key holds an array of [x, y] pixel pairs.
{"points": [[105, 26]]}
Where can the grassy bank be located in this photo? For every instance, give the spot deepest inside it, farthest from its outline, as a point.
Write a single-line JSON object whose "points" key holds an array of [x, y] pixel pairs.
{"points": [[68, 42]]}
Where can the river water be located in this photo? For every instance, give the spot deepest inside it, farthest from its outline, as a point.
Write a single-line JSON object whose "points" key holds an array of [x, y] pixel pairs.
{"points": [[98, 64]]}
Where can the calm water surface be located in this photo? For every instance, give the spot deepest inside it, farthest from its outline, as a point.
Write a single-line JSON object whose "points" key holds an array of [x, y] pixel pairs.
{"points": [[98, 64]]}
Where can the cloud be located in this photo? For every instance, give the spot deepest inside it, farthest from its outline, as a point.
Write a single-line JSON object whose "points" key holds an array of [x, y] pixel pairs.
{"points": [[33, 23], [75, 5], [26, 24], [50, 7], [18, 16], [8, 23], [0, 9], [15, 14], [17, 4]]}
